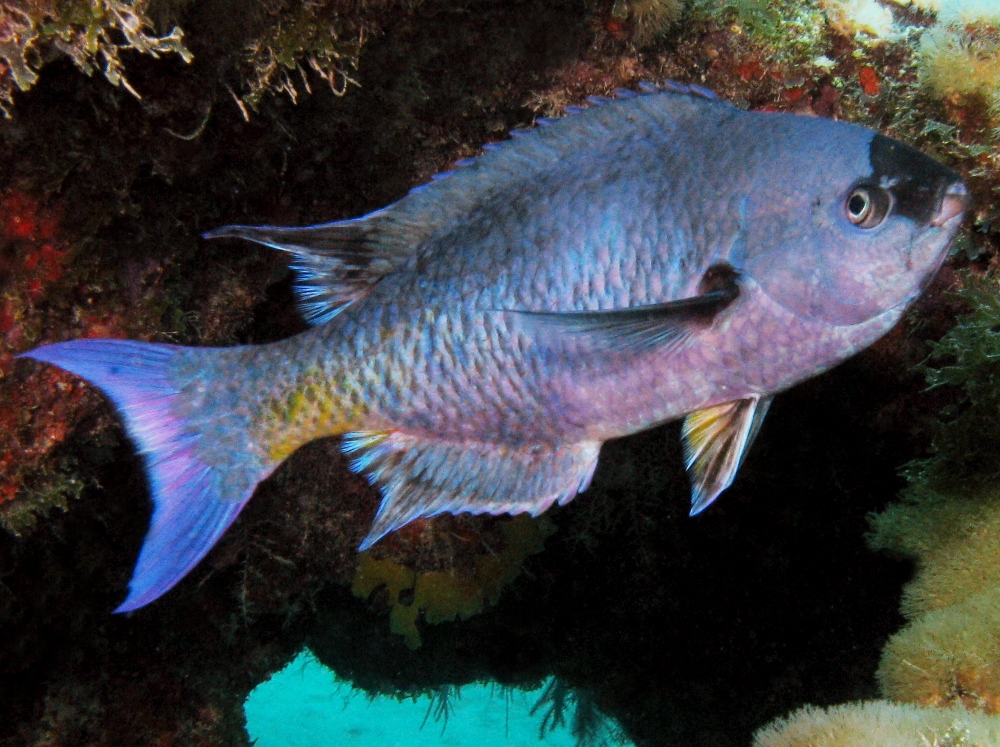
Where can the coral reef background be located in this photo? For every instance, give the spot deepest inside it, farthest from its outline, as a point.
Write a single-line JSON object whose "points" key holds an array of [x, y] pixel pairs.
{"points": [[690, 630]]}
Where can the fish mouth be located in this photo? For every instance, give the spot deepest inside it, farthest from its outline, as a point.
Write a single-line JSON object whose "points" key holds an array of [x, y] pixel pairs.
{"points": [[954, 202], [951, 210]]}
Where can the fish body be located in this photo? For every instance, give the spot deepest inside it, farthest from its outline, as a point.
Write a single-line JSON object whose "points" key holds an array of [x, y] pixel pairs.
{"points": [[654, 257]]}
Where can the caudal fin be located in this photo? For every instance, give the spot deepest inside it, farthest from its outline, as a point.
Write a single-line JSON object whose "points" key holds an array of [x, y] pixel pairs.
{"points": [[193, 503]]}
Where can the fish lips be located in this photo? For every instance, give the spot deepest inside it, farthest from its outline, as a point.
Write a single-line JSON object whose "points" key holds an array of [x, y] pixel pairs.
{"points": [[950, 213], [953, 203], [952, 206]]}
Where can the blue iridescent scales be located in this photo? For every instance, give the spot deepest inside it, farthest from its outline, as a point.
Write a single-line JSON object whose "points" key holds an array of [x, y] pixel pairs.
{"points": [[658, 255]]}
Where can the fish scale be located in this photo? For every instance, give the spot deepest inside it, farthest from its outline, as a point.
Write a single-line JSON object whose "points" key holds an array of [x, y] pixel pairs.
{"points": [[658, 256]]}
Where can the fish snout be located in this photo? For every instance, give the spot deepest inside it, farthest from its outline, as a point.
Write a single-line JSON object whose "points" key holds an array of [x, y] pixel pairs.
{"points": [[954, 203]]}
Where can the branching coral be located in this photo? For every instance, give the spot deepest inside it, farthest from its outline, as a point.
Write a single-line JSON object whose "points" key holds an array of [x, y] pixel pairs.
{"points": [[90, 32], [446, 595], [17, 32], [880, 723]]}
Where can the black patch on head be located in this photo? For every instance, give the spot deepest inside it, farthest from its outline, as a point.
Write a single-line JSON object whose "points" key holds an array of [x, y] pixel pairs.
{"points": [[918, 180]]}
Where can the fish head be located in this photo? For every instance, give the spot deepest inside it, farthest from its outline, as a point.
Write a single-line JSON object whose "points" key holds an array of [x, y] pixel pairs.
{"points": [[842, 225]]}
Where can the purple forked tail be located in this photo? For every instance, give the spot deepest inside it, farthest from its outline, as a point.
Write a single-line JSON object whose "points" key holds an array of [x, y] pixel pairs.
{"points": [[192, 503]]}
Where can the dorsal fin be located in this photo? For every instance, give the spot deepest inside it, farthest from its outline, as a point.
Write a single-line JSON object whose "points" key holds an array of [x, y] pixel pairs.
{"points": [[338, 263], [335, 263], [432, 206]]}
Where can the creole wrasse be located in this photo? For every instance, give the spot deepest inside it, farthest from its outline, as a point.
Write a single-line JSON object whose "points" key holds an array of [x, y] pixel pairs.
{"points": [[656, 256]]}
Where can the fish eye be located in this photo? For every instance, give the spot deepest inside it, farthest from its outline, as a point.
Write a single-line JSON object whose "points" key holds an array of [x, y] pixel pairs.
{"points": [[867, 206]]}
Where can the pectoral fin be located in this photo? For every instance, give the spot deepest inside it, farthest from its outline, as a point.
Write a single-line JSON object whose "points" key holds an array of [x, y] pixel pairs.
{"points": [[661, 325], [715, 441]]}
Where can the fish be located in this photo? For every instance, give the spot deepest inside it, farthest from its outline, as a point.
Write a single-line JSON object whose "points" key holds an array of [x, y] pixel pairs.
{"points": [[660, 254]]}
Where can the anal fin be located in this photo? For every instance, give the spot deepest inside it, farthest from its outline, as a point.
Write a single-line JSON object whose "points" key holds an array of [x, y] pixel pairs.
{"points": [[716, 439], [422, 477]]}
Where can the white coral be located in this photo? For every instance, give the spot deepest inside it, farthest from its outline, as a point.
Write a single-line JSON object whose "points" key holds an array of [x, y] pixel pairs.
{"points": [[879, 723]]}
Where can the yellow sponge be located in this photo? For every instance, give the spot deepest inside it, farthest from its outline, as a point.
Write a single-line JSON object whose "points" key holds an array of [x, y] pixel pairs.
{"points": [[954, 540], [456, 594], [950, 651], [947, 656]]}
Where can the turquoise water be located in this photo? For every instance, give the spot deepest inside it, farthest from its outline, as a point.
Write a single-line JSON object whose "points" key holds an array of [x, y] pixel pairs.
{"points": [[304, 705]]}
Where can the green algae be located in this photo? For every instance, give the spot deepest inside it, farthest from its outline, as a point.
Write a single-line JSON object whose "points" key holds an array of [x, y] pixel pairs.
{"points": [[965, 435], [793, 29], [51, 488], [86, 31], [562, 706], [287, 46], [300, 39]]}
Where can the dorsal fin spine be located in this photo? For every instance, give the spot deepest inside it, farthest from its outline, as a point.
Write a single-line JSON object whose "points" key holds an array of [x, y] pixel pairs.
{"points": [[703, 92]]}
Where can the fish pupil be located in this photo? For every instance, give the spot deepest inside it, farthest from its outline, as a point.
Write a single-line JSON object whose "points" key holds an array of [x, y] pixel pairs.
{"points": [[859, 205]]}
